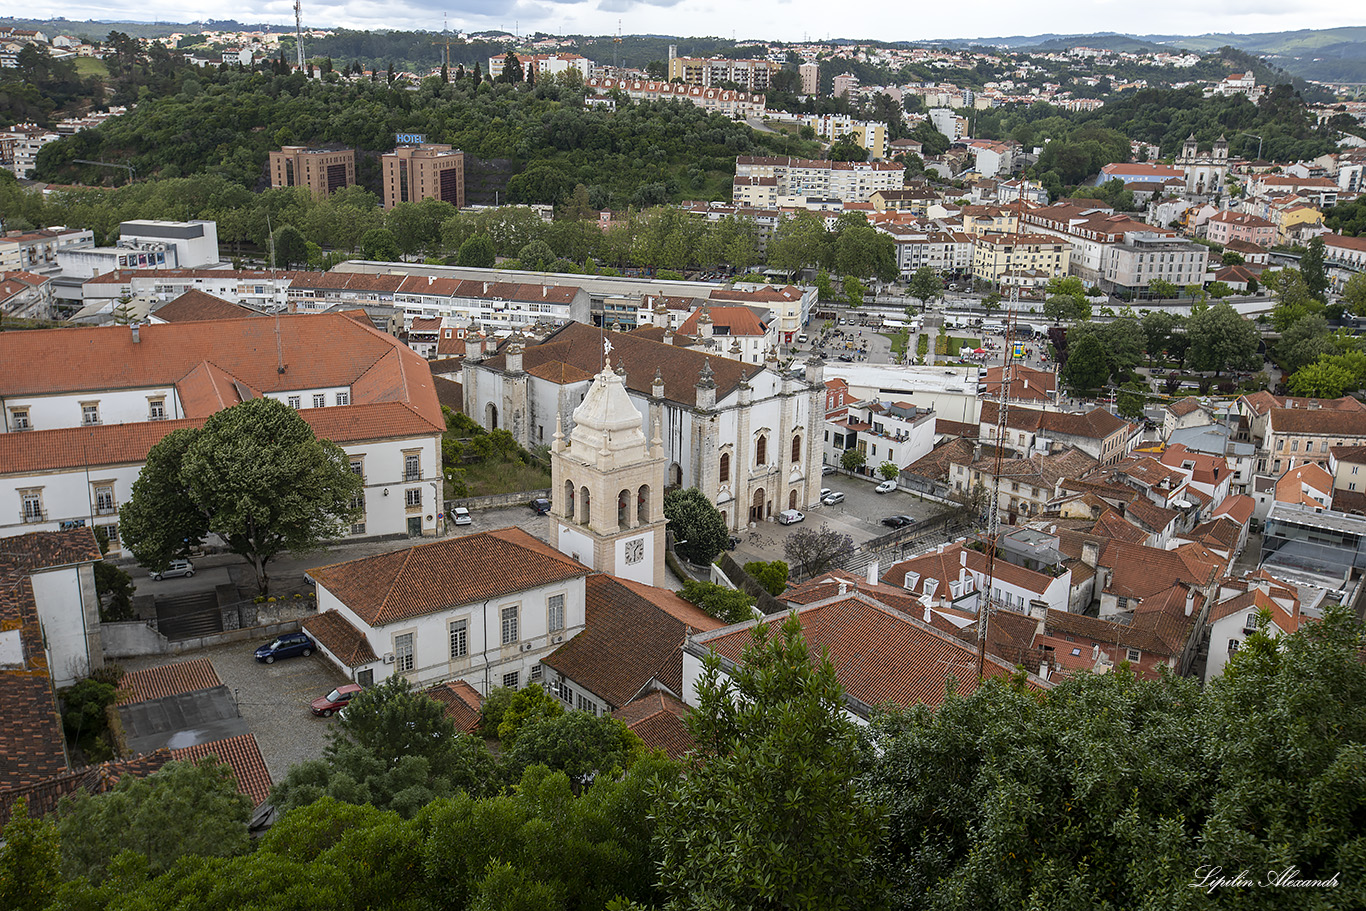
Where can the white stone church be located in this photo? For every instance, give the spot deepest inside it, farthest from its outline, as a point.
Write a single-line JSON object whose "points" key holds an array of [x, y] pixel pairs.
{"points": [[749, 437]]}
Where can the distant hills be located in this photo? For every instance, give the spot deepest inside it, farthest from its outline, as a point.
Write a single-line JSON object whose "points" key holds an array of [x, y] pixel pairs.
{"points": [[1325, 55]]}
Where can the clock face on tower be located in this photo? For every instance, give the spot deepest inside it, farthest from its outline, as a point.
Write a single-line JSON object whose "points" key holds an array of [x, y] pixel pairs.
{"points": [[635, 551]]}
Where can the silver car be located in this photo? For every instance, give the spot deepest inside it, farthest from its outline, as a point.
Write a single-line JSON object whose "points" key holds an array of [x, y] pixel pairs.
{"points": [[177, 568]]}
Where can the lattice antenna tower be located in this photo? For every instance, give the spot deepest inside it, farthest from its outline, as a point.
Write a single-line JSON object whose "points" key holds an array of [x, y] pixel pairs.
{"points": [[299, 32], [1002, 413]]}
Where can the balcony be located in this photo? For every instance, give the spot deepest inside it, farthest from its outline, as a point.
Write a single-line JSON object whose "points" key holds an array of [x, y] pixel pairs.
{"points": [[412, 474], [30, 516]]}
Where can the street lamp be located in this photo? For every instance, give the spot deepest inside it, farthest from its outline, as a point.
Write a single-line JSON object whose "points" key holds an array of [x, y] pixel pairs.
{"points": [[1259, 142]]}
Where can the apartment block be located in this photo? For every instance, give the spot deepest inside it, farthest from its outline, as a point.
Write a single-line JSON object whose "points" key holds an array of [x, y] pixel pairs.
{"points": [[427, 171], [749, 75], [1028, 260], [847, 181], [324, 171]]}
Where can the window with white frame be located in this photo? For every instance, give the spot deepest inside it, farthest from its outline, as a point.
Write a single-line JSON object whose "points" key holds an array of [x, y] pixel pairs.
{"points": [[343, 398], [1132, 655], [555, 613], [566, 694], [19, 417], [412, 497], [412, 466], [1250, 623], [403, 652], [90, 412], [104, 500], [460, 645], [156, 409], [509, 615], [511, 680], [1233, 645], [586, 705], [535, 672], [293, 402], [319, 400], [32, 501]]}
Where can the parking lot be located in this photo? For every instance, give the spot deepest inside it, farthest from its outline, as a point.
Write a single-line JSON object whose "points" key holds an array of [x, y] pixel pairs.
{"points": [[273, 699], [859, 516]]}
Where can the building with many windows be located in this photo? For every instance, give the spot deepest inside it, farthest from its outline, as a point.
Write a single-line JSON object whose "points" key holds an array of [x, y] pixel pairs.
{"points": [[426, 171], [324, 171], [82, 407]]}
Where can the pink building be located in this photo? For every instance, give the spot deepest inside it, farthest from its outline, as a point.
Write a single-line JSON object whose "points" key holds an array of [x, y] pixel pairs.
{"points": [[1229, 226]]}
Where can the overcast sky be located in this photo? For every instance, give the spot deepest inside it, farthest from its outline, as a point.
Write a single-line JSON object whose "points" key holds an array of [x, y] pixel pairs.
{"points": [[787, 20]]}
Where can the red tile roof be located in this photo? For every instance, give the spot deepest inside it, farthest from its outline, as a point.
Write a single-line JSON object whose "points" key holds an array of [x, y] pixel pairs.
{"points": [[464, 705], [880, 654], [244, 756], [1238, 507], [195, 305], [421, 580], [167, 680], [633, 634], [336, 634], [658, 720], [43, 796], [735, 320]]}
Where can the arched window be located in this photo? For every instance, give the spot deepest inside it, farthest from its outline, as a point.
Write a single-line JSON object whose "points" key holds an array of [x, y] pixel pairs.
{"points": [[569, 500], [584, 506], [491, 417], [725, 468], [796, 449], [643, 504], [624, 509], [761, 451]]}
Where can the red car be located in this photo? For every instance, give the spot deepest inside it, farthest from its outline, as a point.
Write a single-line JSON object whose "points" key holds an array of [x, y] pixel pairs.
{"points": [[337, 699]]}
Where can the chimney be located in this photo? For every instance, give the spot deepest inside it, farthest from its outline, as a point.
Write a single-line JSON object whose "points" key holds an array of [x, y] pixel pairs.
{"points": [[1095, 652], [963, 557], [1090, 553], [657, 387], [706, 387], [514, 357], [474, 349], [927, 613], [844, 587], [1190, 601], [872, 572], [668, 334], [137, 336]]}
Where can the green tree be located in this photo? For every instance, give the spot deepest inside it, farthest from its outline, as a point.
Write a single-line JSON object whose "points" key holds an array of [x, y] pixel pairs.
{"points": [[846, 149], [114, 588], [728, 604], [30, 860], [1354, 293], [925, 285], [256, 476], [477, 252], [1304, 341], [531, 703], [291, 248], [1311, 268], [1221, 339], [579, 744], [769, 815], [1161, 289], [1087, 368], [825, 289], [865, 252], [394, 748], [183, 809], [810, 551], [378, 245], [1159, 327], [889, 471], [854, 291], [854, 459], [1132, 397], [1324, 379], [799, 242], [699, 532], [772, 575], [1231, 258]]}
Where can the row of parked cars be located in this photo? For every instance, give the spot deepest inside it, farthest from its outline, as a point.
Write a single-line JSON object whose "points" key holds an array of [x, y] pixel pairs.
{"points": [[300, 645]]}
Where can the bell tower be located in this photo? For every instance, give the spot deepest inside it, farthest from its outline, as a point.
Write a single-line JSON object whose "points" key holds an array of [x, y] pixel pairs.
{"points": [[607, 485]]}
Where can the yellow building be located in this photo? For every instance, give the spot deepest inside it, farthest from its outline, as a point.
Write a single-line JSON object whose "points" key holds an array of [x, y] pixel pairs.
{"points": [[982, 220], [1291, 217], [1025, 259]]}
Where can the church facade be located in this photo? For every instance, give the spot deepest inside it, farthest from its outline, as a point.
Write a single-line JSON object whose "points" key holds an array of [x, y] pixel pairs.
{"points": [[1205, 171], [749, 437]]}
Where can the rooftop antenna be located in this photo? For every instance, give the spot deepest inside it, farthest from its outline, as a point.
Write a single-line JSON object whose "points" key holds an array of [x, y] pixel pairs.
{"points": [[299, 32]]}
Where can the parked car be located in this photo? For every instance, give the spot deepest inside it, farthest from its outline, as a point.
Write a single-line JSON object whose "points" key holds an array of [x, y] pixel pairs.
{"points": [[790, 517], [335, 700], [831, 499], [461, 516], [825, 492], [540, 506], [177, 568], [287, 646], [827, 469], [898, 521], [886, 487]]}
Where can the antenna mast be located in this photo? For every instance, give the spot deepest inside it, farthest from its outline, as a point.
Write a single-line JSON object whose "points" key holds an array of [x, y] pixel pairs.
{"points": [[1003, 394], [299, 32]]}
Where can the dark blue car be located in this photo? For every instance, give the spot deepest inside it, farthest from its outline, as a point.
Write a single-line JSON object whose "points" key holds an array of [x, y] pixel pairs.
{"points": [[287, 646]]}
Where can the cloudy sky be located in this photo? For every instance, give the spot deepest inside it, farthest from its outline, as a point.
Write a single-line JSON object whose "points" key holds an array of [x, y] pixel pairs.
{"points": [[789, 20]]}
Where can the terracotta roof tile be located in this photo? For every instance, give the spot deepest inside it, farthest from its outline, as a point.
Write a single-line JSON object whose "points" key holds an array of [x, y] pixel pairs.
{"points": [[464, 705], [244, 756], [880, 655], [432, 577], [736, 320], [1238, 507], [43, 796], [658, 720], [195, 305], [633, 633], [167, 680], [336, 634], [937, 463]]}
